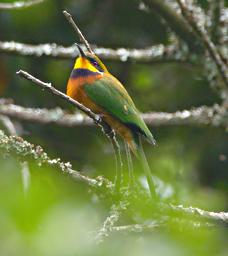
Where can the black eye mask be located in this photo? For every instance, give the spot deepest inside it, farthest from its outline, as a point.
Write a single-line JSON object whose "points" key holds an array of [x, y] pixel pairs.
{"points": [[95, 64]]}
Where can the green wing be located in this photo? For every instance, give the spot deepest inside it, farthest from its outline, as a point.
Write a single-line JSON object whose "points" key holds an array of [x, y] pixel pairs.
{"points": [[109, 94]]}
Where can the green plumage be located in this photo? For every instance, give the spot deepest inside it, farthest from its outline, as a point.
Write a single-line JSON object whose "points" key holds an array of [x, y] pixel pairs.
{"points": [[109, 94]]}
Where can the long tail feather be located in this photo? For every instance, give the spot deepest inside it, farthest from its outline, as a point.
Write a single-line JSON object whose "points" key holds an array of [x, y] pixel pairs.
{"points": [[146, 168], [119, 163], [130, 164]]}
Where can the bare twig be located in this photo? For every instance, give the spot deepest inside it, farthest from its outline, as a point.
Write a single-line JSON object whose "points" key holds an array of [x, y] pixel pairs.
{"points": [[78, 31], [19, 4], [47, 86], [216, 116], [206, 41], [154, 54], [51, 89]]}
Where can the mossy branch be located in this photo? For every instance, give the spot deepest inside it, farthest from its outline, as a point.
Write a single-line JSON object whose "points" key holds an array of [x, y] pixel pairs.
{"points": [[215, 116], [206, 41], [176, 23], [151, 55], [25, 150]]}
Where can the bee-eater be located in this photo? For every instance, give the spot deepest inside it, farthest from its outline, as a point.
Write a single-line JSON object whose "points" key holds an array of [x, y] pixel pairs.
{"points": [[92, 85]]}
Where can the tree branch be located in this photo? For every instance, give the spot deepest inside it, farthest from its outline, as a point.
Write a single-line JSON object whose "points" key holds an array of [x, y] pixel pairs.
{"points": [[216, 8], [216, 116], [24, 150], [154, 54], [196, 212], [176, 23], [19, 4], [159, 224], [45, 116], [106, 129], [209, 45], [110, 221], [137, 228], [47, 86]]}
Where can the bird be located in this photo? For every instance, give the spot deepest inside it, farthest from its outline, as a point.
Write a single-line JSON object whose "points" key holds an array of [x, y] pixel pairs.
{"points": [[91, 84]]}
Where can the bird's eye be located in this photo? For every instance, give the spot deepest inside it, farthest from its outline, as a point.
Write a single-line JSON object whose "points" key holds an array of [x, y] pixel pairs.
{"points": [[94, 63]]}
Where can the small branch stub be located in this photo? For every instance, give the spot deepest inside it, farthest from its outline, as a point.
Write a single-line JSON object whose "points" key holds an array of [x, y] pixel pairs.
{"points": [[78, 31]]}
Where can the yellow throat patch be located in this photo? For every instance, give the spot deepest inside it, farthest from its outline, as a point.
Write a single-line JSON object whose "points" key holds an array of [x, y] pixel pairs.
{"points": [[82, 62]]}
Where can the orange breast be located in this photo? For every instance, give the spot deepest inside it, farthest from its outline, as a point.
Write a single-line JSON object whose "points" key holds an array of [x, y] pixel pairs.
{"points": [[75, 90]]}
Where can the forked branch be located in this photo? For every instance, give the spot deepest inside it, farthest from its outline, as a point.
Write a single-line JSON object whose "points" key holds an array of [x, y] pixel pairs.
{"points": [[209, 45]]}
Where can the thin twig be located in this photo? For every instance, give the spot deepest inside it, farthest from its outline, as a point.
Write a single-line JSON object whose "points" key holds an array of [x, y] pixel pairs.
{"points": [[206, 41], [78, 31], [50, 88], [19, 4], [47, 86]]}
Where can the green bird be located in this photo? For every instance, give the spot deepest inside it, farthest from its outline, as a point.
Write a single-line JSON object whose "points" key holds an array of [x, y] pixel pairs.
{"points": [[92, 85]]}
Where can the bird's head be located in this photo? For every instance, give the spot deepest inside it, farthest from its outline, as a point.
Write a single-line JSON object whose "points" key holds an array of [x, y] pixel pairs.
{"points": [[89, 61]]}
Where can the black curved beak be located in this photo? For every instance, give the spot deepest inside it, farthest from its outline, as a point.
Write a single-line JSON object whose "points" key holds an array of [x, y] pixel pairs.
{"points": [[81, 52]]}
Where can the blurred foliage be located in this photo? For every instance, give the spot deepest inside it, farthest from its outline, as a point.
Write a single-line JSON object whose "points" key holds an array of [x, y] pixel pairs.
{"points": [[190, 163]]}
